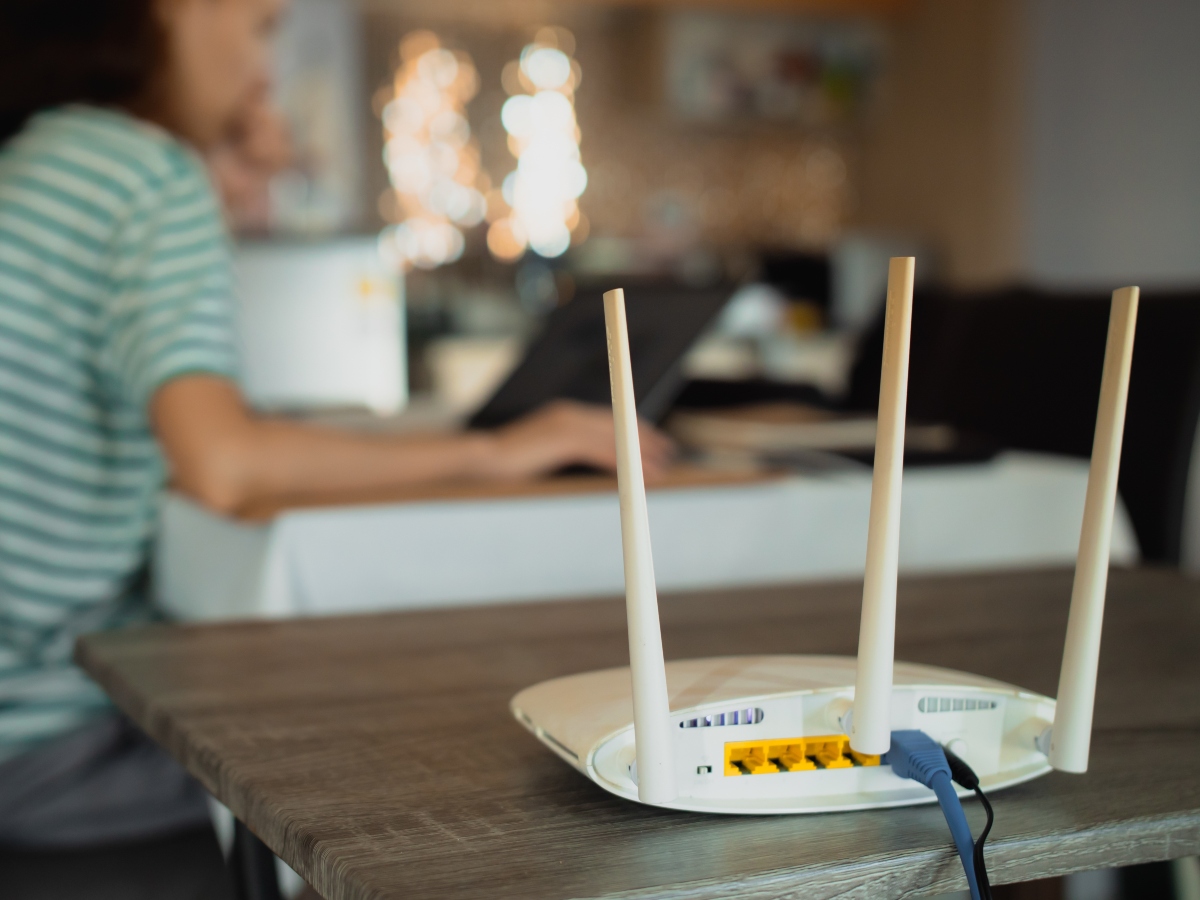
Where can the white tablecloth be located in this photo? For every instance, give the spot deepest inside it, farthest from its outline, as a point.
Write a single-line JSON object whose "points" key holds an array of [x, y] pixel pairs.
{"points": [[1018, 510]]}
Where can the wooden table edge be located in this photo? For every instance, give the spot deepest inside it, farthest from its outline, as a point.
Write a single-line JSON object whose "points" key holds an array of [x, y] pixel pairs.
{"points": [[681, 477]]}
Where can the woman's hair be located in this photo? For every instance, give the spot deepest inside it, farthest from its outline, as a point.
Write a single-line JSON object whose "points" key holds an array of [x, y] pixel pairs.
{"points": [[74, 51]]}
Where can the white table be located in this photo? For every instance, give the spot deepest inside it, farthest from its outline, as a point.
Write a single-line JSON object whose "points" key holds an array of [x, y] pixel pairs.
{"points": [[1018, 510]]}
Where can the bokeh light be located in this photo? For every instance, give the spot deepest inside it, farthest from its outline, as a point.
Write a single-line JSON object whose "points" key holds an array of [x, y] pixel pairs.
{"points": [[538, 205], [437, 186]]}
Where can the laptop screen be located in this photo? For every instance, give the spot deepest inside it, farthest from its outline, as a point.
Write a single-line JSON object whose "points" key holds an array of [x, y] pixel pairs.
{"points": [[569, 358]]}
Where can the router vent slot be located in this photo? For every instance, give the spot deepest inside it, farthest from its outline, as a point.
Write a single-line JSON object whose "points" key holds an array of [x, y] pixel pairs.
{"points": [[736, 717], [953, 704], [550, 739]]}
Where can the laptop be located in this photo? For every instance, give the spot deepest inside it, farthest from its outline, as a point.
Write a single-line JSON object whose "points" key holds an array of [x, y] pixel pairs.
{"points": [[569, 358]]}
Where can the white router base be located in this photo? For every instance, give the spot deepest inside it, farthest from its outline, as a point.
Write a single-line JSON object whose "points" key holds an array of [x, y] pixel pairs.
{"points": [[781, 717]]}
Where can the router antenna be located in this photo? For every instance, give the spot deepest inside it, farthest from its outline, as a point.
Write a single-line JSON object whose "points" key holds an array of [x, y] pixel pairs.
{"points": [[1071, 735], [870, 723], [651, 709]]}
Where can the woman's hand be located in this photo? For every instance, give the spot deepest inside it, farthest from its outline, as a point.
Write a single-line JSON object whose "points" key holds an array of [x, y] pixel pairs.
{"points": [[566, 433]]}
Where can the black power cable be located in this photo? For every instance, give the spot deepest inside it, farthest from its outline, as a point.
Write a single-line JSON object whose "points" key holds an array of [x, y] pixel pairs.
{"points": [[982, 868], [964, 775]]}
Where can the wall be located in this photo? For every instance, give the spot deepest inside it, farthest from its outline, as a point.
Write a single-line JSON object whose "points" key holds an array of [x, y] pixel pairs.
{"points": [[1114, 144], [944, 160]]}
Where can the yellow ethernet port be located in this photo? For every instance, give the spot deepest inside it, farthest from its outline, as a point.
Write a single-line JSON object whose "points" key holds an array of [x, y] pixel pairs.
{"points": [[829, 751]]}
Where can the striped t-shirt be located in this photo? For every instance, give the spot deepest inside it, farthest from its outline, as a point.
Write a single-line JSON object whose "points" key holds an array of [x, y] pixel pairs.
{"points": [[114, 278]]}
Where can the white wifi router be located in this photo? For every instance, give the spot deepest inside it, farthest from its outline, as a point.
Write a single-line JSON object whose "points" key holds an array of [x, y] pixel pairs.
{"points": [[793, 734]]}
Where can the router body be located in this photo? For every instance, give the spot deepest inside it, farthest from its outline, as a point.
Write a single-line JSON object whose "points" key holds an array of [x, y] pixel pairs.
{"points": [[767, 734]]}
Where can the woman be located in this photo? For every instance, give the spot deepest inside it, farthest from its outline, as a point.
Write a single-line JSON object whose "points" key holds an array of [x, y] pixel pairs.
{"points": [[117, 368]]}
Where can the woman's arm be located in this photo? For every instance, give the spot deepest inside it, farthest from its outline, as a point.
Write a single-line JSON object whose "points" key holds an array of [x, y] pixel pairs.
{"points": [[226, 456]]}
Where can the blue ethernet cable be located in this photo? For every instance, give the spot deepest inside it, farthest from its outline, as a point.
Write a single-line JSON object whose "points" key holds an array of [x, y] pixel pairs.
{"points": [[916, 755]]}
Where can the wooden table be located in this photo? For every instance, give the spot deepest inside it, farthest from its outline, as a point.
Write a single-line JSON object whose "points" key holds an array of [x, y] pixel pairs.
{"points": [[377, 756]]}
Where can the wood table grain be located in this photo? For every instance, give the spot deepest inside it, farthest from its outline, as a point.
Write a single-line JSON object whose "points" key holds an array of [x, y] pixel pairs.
{"points": [[377, 755]]}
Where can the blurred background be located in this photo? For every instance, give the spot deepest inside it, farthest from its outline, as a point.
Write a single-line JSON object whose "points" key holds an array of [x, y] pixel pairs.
{"points": [[462, 169], [796, 142]]}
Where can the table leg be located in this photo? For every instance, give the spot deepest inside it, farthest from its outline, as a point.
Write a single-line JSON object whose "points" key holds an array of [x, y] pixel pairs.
{"points": [[252, 867]]}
